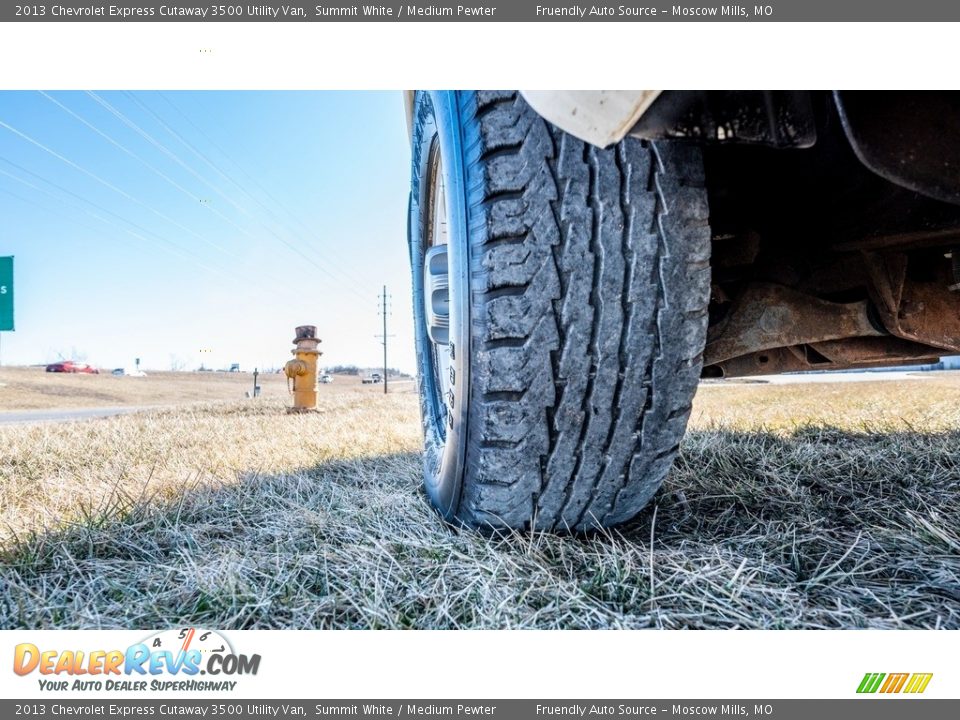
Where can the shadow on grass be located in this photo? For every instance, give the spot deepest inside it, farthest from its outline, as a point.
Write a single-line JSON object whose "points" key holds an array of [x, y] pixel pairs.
{"points": [[818, 529]]}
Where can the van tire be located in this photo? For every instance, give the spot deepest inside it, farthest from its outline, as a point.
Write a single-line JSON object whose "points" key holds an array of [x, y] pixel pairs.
{"points": [[589, 281]]}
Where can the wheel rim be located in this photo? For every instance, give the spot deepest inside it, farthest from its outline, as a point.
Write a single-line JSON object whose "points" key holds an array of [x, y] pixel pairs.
{"points": [[439, 250], [438, 305]]}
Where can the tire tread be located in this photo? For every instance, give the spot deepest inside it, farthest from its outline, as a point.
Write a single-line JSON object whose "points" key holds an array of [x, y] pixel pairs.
{"points": [[590, 274]]}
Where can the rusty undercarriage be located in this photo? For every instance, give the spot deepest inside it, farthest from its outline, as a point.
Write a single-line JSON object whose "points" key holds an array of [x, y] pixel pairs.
{"points": [[902, 319], [827, 254]]}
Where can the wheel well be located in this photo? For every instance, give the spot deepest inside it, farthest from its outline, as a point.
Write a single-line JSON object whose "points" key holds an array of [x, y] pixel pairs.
{"points": [[845, 250]]}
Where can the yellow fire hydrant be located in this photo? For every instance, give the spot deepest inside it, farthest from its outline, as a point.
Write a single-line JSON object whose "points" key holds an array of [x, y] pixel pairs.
{"points": [[303, 369]]}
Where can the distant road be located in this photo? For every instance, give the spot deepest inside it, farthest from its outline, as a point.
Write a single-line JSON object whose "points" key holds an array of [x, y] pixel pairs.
{"points": [[46, 416], [831, 377]]}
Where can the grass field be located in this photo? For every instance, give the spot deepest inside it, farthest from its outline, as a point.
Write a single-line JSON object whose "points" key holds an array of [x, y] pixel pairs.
{"points": [[33, 389], [791, 506]]}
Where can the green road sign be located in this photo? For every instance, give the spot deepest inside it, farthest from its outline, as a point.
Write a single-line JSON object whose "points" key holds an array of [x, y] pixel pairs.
{"points": [[6, 293]]}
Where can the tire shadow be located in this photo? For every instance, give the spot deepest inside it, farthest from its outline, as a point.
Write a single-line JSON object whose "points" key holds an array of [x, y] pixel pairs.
{"points": [[820, 528]]}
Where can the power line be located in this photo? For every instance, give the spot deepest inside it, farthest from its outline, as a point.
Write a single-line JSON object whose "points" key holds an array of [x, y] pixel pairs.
{"points": [[163, 175], [115, 189], [144, 235], [119, 146], [168, 244], [142, 161], [348, 283], [347, 276], [45, 208], [103, 182], [78, 201], [161, 147], [81, 199], [249, 177]]}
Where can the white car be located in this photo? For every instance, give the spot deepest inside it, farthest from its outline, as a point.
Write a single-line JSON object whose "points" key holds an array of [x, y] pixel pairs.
{"points": [[326, 379], [123, 372]]}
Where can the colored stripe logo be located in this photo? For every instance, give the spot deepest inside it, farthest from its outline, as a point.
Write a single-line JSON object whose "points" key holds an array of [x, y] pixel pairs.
{"points": [[912, 683]]}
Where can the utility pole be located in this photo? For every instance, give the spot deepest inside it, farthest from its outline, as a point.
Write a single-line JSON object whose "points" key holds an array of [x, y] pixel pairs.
{"points": [[384, 309]]}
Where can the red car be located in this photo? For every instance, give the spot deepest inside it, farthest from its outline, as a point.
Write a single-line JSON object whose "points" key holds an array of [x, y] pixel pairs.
{"points": [[69, 366]]}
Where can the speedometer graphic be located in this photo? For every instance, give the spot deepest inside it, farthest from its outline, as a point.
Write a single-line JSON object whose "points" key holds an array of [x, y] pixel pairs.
{"points": [[189, 638]]}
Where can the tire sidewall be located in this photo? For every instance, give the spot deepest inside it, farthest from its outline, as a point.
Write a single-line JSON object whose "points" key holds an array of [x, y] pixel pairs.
{"points": [[436, 123]]}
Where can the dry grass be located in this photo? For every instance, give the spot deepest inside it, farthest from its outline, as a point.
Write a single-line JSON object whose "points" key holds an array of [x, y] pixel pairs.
{"points": [[33, 389], [782, 512], [924, 401]]}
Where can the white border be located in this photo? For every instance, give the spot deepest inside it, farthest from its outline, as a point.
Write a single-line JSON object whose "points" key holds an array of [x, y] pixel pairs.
{"points": [[549, 55], [546, 664], [477, 55]]}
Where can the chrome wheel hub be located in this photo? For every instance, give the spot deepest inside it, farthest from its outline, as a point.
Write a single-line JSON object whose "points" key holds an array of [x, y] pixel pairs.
{"points": [[436, 287]]}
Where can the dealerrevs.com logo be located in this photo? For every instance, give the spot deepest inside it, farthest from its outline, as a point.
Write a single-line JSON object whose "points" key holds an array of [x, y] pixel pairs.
{"points": [[910, 683], [169, 660]]}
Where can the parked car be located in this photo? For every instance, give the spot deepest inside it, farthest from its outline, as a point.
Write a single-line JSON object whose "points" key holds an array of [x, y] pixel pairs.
{"points": [[326, 379], [123, 372], [71, 366], [581, 259]]}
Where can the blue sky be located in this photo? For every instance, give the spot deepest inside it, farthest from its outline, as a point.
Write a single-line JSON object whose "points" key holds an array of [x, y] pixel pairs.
{"points": [[162, 224]]}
